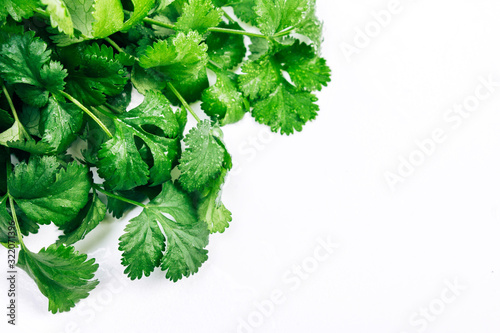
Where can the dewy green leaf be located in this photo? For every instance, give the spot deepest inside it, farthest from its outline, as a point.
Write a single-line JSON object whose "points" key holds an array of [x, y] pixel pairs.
{"points": [[153, 122], [6, 231], [46, 192], [223, 101], [61, 273], [141, 9], [181, 59], [59, 15], [277, 15], [211, 209], [60, 121], [199, 15], [143, 243], [286, 109], [97, 75], [226, 50], [245, 11], [307, 70], [202, 160], [81, 15], [262, 77], [108, 18], [12, 134], [88, 218], [18, 9]]}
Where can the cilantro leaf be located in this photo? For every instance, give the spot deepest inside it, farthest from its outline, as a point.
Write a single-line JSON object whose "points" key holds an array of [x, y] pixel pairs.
{"points": [[33, 147], [226, 50], [141, 9], [262, 77], [307, 70], [88, 218], [203, 158], [286, 109], [211, 210], [183, 57], [198, 15], [223, 101], [98, 75], [59, 123], [30, 118], [143, 244], [108, 18], [59, 15], [153, 122], [277, 15], [5, 223], [46, 192], [81, 15], [18, 9], [62, 274], [12, 134], [244, 9]]}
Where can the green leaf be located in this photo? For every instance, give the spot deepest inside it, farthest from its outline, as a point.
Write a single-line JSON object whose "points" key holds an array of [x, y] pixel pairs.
{"points": [[226, 50], [198, 15], [81, 15], [18, 9], [99, 74], [145, 79], [108, 16], [286, 109], [277, 15], [223, 101], [262, 77], [62, 274], [202, 160], [30, 118], [307, 70], [88, 218], [59, 123], [33, 147], [153, 122], [143, 244], [141, 9], [4, 157], [11, 134], [163, 4], [6, 120], [6, 228], [179, 58], [46, 192], [244, 9], [211, 210], [59, 15], [117, 207]]}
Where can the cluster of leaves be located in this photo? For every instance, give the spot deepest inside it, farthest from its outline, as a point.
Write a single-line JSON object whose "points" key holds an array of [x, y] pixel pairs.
{"points": [[67, 71]]}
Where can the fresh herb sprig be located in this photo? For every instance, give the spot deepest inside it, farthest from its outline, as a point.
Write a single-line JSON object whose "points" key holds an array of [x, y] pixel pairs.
{"points": [[67, 70]]}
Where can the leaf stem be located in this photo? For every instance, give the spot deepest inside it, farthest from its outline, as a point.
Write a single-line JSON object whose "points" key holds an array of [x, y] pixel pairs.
{"points": [[12, 207], [211, 29], [284, 32], [14, 113], [118, 197], [113, 43], [87, 111], [183, 101]]}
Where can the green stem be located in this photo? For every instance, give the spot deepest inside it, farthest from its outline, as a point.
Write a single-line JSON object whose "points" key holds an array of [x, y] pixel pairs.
{"points": [[118, 197], [284, 32], [16, 223], [12, 207], [87, 111], [116, 46], [212, 29], [229, 18], [104, 112], [183, 101], [14, 113]]}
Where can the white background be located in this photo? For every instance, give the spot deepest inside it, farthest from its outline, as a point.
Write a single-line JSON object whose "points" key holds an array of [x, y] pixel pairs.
{"points": [[396, 247]]}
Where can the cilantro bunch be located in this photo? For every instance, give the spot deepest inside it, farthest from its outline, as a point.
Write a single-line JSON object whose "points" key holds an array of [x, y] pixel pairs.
{"points": [[67, 71]]}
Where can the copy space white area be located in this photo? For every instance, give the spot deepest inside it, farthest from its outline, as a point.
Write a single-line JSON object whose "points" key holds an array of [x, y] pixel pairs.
{"points": [[383, 215]]}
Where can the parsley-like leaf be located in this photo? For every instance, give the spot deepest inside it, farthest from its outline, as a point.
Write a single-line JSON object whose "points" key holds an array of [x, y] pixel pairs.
{"points": [[286, 109], [18, 9], [120, 162], [203, 158], [211, 209], [62, 274], [88, 218], [226, 50], [143, 244], [199, 15], [46, 192], [59, 15]]}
